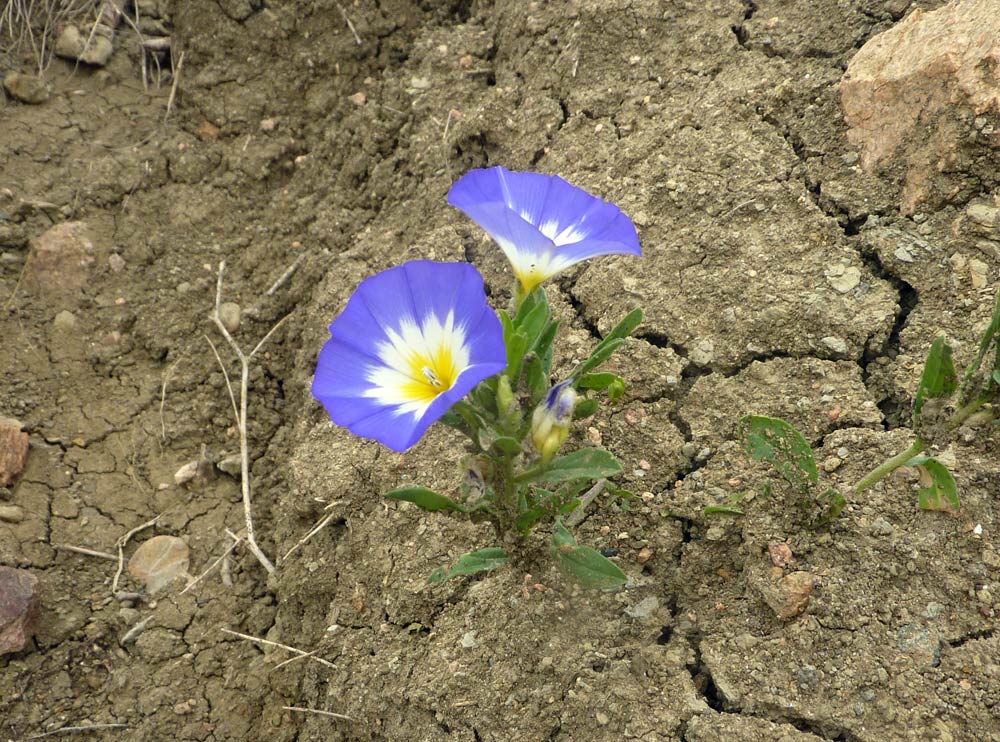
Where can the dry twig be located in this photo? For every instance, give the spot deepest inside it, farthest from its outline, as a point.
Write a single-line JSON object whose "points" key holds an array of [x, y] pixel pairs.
{"points": [[577, 516], [88, 552], [305, 710], [323, 523], [121, 550], [268, 642], [241, 411], [84, 728], [343, 14], [213, 565]]}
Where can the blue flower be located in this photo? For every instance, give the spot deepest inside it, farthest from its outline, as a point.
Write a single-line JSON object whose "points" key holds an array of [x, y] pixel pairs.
{"points": [[542, 223], [412, 341]]}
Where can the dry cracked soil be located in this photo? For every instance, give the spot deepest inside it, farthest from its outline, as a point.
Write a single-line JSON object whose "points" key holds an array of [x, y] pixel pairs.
{"points": [[310, 144]]}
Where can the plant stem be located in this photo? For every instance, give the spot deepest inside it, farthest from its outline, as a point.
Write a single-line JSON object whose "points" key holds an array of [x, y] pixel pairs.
{"points": [[965, 413], [888, 466]]}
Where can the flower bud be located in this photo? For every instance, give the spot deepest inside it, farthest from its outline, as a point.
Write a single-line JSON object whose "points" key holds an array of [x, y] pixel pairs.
{"points": [[551, 419]]}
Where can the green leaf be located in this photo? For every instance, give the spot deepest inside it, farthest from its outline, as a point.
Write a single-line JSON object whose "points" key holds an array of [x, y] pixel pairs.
{"points": [[543, 346], [599, 355], [601, 380], [587, 463], [561, 536], [984, 343], [610, 343], [626, 326], [783, 446], [538, 379], [587, 566], [471, 563], [938, 490], [532, 323], [424, 498], [506, 444], [517, 346], [723, 510], [939, 378], [585, 408], [833, 503]]}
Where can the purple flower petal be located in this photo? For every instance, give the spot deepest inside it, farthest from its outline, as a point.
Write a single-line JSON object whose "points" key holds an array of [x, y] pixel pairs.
{"points": [[411, 342], [542, 223]]}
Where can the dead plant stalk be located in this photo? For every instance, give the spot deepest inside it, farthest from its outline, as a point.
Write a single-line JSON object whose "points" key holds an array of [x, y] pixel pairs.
{"points": [[241, 411]]}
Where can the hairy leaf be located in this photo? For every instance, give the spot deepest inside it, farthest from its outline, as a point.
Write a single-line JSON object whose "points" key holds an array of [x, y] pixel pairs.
{"points": [[938, 490], [426, 499], [471, 563], [587, 463]]}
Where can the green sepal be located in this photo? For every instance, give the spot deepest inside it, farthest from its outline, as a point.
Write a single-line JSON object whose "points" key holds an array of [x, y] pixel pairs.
{"points": [[587, 566], [425, 499], [938, 490], [776, 441], [471, 563], [939, 378]]}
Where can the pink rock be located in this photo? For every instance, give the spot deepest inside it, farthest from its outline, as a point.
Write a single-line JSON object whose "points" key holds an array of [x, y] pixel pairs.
{"points": [[13, 450], [926, 94], [60, 258], [18, 608]]}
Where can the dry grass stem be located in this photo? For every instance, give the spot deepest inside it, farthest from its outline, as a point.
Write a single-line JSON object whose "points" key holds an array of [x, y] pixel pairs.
{"points": [[79, 729], [283, 278], [121, 550], [213, 565], [317, 711], [88, 552], [132, 633], [173, 87], [269, 643], [323, 523], [343, 14], [241, 411], [577, 516]]}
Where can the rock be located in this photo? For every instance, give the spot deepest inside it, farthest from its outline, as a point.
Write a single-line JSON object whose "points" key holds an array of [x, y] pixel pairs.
{"points": [[72, 44], [13, 450], [835, 344], [780, 553], [60, 258], [11, 513], [230, 314], [64, 321], [116, 263], [788, 597], [644, 608], [26, 88], [18, 608], [912, 95], [843, 280], [232, 465]]}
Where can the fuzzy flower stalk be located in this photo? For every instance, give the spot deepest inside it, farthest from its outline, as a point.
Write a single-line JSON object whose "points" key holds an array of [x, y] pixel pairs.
{"points": [[419, 344]]}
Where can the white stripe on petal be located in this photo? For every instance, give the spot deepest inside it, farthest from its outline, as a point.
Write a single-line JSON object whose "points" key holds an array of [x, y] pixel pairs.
{"points": [[420, 363]]}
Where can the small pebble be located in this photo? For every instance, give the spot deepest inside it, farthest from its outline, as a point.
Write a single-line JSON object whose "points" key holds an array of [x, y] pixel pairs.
{"points": [[11, 513], [116, 263], [65, 320], [230, 314]]}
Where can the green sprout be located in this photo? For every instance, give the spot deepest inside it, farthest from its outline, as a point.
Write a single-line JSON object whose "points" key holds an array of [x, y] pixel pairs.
{"points": [[940, 406]]}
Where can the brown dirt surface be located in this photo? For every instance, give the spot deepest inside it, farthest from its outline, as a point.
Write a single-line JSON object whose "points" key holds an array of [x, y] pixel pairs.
{"points": [[778, 278]]}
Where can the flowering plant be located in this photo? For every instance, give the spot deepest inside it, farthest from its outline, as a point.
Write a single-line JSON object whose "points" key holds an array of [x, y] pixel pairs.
{"points": [[418, 344]]}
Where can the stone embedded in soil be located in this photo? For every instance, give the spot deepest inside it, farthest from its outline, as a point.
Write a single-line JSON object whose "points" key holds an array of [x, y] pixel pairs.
{"points": [[914, 94], [61, 258], [788, 596], [18, 608], [230, 315], [26, 88], [13, 450], [11, 513], [73, 44]]}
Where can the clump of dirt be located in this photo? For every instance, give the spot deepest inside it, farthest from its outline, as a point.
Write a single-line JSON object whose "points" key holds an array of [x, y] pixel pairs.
{"points": [[311, 144]]}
